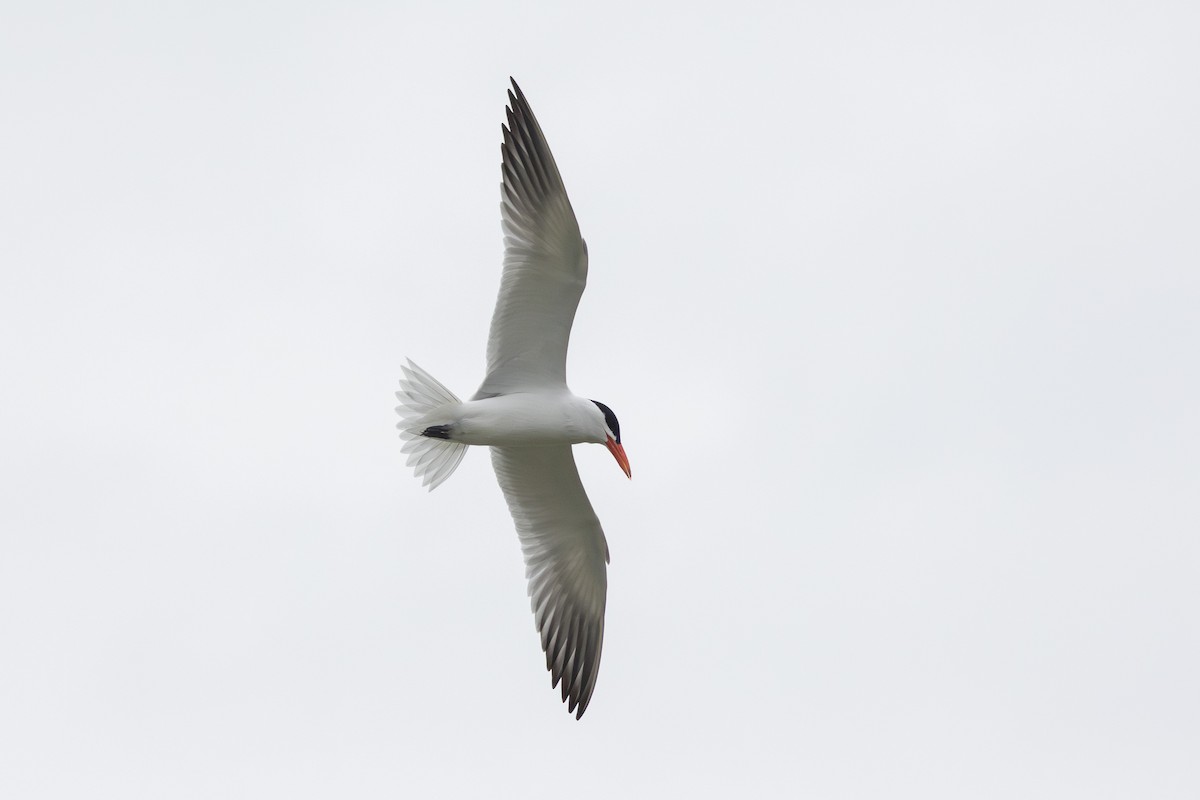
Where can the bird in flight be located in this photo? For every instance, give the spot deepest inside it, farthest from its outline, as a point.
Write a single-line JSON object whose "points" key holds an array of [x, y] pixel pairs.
{"points": [[527, 415]]}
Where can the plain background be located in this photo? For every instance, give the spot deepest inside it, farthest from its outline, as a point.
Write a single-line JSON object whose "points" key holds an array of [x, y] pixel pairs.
{"points": [[897, 304]]}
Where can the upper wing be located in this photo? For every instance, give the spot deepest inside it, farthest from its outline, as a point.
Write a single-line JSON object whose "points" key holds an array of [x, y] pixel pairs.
{"points": [[565, 553], [545, 263]]}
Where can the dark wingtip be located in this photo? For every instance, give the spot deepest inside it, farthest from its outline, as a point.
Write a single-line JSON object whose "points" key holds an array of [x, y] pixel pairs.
{"points": [[515, 94]]}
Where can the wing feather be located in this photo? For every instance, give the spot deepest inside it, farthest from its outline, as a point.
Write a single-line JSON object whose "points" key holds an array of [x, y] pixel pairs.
{"points": [[565, 556], [545, 263]]}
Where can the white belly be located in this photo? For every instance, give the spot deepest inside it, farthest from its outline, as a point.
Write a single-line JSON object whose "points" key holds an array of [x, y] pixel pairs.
{"points": [[523, 419]]}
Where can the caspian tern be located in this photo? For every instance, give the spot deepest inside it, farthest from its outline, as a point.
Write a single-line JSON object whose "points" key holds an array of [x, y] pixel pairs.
{"points": [[527, 415]]}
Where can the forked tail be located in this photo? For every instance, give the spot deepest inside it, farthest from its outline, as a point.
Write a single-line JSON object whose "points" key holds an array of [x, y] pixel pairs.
{"points": [[432, 457]]}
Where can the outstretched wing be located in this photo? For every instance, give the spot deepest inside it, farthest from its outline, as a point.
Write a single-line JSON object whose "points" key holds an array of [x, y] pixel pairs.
{"points": [[565, 556], [545, 263]]}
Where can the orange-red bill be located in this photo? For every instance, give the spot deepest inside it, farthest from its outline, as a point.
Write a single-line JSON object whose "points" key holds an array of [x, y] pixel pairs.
{"points": [[618, 452]]}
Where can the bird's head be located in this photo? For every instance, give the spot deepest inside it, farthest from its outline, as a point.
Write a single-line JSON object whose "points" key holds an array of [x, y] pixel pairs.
{"points": [[612, 434]]}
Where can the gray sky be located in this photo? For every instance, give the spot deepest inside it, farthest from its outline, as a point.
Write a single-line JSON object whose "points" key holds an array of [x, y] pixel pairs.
{"points": [[898, 308]]}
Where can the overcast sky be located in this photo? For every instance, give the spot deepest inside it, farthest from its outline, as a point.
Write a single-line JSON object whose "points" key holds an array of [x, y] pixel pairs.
{"points": [[898, 305]]}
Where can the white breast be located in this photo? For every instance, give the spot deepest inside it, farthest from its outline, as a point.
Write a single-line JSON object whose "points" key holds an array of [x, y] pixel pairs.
{"points": [[534, 418]]}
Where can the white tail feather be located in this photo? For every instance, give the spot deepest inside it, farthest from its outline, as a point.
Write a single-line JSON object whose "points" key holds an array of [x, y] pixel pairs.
{"points": [[421, 395]]}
